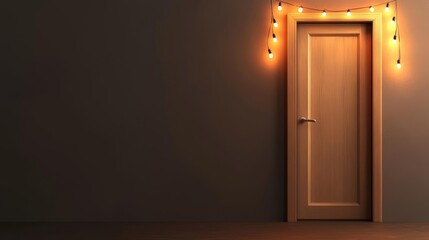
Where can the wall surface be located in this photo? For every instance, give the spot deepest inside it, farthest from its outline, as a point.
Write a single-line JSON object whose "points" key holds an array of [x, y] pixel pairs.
{"points": [[171, 111]]}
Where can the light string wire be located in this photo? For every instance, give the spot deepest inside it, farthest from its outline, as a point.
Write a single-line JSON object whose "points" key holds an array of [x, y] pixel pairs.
{"points": [[337, 10], [397, 32], [270, 28]]}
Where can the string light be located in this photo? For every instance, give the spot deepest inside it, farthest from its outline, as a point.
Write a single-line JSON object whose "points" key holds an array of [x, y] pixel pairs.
{"points": [[396, 37], [275, 24], [395, 20], [274, 38]]}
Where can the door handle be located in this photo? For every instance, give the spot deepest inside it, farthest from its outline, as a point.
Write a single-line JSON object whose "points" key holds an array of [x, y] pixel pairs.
{"points": [[303, 120]]}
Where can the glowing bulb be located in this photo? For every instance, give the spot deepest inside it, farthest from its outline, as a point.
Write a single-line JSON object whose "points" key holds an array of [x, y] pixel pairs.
{"points": [[394, 39], [349, 13], [393, 20], [275, 24], [274, 38], [324, 13], [398, 64], [371, 9], [300, 9], [280, 6], [387, 7], [270, 54]]}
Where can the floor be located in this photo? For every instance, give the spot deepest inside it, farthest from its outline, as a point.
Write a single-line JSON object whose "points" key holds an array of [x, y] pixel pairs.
{"points": [[210, 231]]}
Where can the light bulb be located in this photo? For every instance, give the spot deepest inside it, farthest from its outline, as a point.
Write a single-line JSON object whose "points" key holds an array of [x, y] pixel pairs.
{"points": [[324, 13], [393, 20], [280, 6], [371, 9], [274, 38], [387, 7], [300, 9], [398, 64], [270, 54], [275, 24], [349, 13], [394, 39]]}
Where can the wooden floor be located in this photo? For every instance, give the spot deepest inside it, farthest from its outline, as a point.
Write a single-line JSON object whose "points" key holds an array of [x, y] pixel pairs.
{"points": [[211, 231]]}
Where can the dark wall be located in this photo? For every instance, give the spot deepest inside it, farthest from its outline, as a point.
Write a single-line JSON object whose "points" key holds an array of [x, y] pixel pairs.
{"points": [[170, 111], [139, 111]]}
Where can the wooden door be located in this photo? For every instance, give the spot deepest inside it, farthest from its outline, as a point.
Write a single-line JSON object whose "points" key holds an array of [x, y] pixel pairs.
{"points": [[334, 89]]}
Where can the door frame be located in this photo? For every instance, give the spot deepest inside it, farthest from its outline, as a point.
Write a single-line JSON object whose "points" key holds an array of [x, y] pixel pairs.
{"points": [[291, 158]]}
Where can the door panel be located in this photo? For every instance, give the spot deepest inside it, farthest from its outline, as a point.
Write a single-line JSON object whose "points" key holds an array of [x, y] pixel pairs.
{"points": [[334, 154]]}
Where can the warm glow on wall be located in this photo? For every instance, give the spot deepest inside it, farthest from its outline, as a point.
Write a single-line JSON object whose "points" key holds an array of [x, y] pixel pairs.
{"points": [[396, 37]]}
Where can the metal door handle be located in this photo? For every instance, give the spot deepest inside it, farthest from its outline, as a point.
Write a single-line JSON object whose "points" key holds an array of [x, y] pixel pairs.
{"points": [[303, 120]]}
